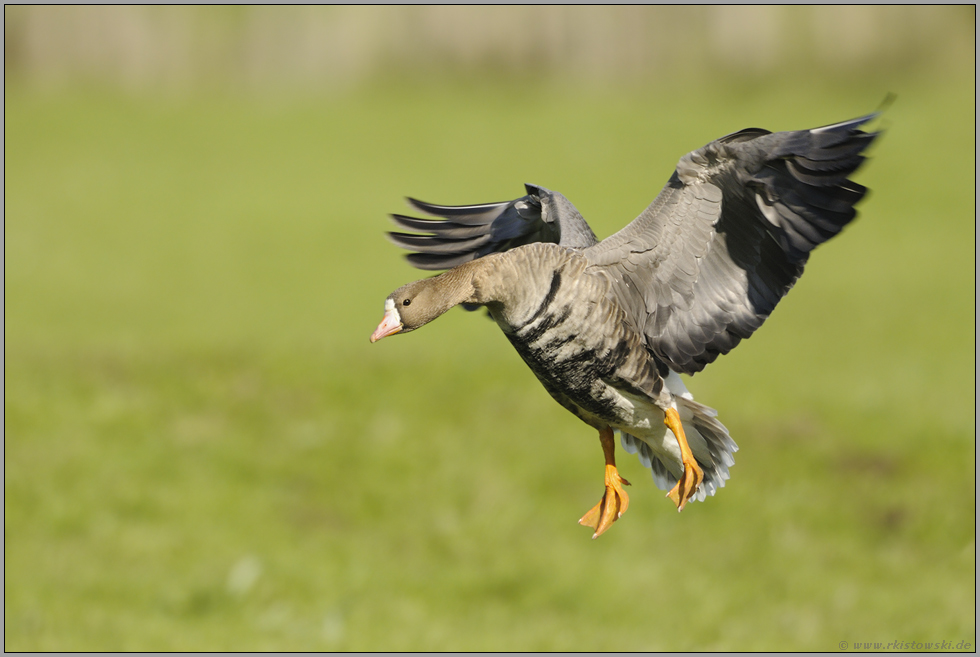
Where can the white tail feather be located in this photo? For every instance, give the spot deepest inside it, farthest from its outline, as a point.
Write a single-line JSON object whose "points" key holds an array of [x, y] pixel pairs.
{"points": [[708, 438]]}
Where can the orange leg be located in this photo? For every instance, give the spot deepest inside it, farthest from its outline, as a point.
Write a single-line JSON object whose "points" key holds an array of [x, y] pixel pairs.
{"points": [[615, 501], [693, 475]]}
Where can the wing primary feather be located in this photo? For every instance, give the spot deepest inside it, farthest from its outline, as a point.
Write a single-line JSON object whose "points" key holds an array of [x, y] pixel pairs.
{"points": [[454, 210], [440, 228]]}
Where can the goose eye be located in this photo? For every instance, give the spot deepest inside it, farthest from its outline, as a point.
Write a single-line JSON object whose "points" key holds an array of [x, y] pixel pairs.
{"points": [[407, 302]]}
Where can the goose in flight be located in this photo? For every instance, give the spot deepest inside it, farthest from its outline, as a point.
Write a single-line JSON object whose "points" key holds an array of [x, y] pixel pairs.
{"points": [[607, 326]]}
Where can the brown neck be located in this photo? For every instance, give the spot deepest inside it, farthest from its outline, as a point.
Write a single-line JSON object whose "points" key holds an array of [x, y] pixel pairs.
{"points": [[467, 282]]}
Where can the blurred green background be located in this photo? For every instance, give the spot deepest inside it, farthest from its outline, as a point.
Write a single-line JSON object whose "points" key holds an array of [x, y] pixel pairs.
{"points": [[203, 451]]}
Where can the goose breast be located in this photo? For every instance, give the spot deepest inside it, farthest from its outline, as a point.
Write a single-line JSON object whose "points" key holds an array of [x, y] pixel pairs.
{"points": [[561, 319]]}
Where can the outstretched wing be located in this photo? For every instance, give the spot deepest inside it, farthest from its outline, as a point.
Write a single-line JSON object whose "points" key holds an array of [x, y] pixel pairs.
{"points": [[463, 233], [705, 264]]}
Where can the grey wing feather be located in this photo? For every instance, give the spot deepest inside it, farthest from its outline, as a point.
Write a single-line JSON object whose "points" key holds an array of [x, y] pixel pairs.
{"points": [[704, 265], [463, 233]]}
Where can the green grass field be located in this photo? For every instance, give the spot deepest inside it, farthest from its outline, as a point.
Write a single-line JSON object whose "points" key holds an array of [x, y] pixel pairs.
{"points": [[202, 450]]}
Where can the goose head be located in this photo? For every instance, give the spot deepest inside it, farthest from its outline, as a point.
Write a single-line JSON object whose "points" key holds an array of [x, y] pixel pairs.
{"points": [[420, 302]]}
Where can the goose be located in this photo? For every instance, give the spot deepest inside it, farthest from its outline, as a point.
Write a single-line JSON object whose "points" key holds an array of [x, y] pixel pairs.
{"points": [[608, 326]]}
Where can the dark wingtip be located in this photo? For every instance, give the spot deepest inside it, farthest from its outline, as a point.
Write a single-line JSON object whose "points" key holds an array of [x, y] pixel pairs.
{"points": [[843, 126], [434, 244], [414, 223], [421, 206], [883, 124]]}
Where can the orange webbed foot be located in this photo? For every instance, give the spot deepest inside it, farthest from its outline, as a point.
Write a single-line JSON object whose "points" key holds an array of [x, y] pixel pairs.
{"points": [[693, 475], [615, 501], [687, 485], [611, 507]]}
